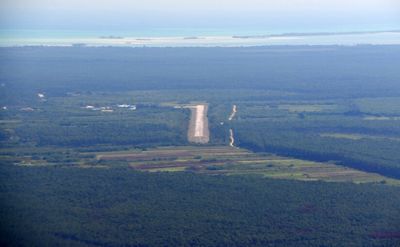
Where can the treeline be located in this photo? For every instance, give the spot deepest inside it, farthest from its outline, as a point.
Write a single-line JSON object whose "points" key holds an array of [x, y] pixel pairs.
{"points": [[53, 206], [142, 128], [373, 155], [101, 133]]}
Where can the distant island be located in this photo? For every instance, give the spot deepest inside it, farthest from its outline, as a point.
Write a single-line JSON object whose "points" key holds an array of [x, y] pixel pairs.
{"points": [[143, 39], [78, 44], [310, 34], [111, 37], [191, 37]]}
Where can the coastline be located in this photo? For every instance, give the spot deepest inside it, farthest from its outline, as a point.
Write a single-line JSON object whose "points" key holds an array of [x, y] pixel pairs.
{"points": [[346, 39]]}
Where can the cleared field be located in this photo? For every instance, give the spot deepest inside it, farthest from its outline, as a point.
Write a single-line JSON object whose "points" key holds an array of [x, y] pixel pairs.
{"points": [[383, 105], [381, 118], [307, 108], [357, 136], [198, 126], [233, 161]]}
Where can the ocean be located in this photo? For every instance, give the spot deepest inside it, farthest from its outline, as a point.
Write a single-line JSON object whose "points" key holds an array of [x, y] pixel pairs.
{"points": [[193, 38]]}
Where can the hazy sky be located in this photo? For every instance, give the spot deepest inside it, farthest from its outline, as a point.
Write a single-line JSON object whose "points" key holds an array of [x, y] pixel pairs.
{"points": [[285, 15]]}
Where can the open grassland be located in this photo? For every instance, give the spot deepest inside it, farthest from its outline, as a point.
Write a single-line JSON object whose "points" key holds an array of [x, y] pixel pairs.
{"points": [[233, 161], [357, 136], [212, 160], [307, 108], [387, 106]]}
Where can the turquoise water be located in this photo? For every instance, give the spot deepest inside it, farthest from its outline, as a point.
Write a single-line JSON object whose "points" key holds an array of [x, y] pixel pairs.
{"points": [[172, 37], [155, 32]]}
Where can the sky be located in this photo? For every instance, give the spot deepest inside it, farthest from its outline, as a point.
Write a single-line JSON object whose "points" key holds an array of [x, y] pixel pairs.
{"points": [[277, 15]]}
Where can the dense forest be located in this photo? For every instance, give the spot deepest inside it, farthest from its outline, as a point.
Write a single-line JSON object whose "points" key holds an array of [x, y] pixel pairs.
{"points": [[50, 206], [323, 71], [146, 126]]}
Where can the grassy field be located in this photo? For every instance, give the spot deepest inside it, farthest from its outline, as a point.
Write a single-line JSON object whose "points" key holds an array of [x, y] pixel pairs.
{"points": [[382, 106], [211, 160], [234, 161], [356, 136], [307, 108]]}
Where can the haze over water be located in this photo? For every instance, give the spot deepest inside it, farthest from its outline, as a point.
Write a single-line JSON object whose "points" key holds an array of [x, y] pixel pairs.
{"points": [[197, 23], [190, 38]]}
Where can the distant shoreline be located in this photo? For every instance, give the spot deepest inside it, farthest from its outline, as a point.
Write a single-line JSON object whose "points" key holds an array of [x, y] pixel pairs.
{"points": [[391, 37], [314, 34]]}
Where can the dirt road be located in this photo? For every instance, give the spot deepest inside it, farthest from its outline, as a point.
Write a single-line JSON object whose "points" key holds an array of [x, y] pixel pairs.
{"points": [[198, 127], [231, 138], [234, 110]]}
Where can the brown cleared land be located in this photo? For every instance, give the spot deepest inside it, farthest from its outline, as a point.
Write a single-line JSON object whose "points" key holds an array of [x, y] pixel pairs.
{"points": [[198, 126], [234, 161]]}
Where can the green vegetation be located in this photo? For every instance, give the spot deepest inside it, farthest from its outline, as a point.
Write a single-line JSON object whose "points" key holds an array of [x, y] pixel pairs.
{"points": [[217, 160], [333, 131], [306, 108], [101, 158], [338, 134], [384, 106], [68, 122], [52, 206]]}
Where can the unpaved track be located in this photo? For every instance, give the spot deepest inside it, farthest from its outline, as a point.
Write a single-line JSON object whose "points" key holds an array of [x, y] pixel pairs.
{"points": [[234, 110], [231, 138], [198, 127]]}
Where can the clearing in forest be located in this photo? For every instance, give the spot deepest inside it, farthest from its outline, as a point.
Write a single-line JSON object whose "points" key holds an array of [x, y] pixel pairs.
{"points": [[236, 161], [198, 125]]}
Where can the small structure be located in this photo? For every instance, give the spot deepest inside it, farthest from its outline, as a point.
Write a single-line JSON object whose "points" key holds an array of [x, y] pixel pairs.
{"points": [[107, 110], [130, 107], [124, 106]]}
